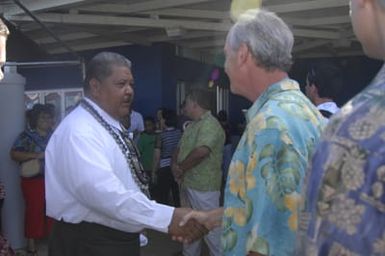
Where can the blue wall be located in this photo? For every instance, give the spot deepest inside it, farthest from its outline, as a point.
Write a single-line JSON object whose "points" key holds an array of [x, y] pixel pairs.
{"points": [[148, 65], [43, 78]]}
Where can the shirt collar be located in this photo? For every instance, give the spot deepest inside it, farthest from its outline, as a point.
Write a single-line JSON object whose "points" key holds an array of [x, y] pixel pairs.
{"points": [[284, 85], [330, 106], [109, 119], [204, 116]]}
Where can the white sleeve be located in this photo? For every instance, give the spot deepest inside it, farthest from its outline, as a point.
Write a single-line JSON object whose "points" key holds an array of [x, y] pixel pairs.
{"points": [[89, 177], [140, 122]]}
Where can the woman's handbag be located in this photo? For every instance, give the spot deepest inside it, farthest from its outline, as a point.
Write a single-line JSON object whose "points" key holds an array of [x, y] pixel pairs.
{"points": [[30, 168], [33, 167]]}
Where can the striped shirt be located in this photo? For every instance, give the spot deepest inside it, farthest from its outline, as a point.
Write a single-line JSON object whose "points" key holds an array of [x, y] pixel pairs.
{"points": [[167, 143]]}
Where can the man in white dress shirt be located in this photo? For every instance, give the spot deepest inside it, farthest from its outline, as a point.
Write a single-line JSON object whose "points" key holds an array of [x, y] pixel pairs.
{"points": [[95, 187], [323, 84]]}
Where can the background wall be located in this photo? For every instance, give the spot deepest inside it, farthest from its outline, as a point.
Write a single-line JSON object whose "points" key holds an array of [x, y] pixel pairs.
{"points": [[157, 70]]}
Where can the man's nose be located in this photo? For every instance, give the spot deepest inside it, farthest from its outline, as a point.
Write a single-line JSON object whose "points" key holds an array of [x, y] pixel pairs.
{"points": [[129, 90]]}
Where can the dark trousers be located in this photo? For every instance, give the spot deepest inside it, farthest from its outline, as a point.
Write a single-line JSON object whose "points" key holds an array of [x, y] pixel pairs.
{"points": [[165, 184], [90, 239]]}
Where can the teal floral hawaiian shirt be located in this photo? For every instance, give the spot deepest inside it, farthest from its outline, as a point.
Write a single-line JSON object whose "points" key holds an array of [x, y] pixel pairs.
{"points": [[264, 185], [345, 195]]}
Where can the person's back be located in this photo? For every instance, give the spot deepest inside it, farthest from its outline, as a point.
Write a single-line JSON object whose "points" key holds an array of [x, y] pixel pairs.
{"points": [[347, 175], [169, 139], [281, 133], [345, 190]]}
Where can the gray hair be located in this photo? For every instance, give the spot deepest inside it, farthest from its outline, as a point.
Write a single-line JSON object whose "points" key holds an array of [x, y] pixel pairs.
{"points": [[266, 35], [100, 66], [201, 97]]}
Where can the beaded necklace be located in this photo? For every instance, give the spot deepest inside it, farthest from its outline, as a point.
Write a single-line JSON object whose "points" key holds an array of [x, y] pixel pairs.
{"points": [[126, 146]]}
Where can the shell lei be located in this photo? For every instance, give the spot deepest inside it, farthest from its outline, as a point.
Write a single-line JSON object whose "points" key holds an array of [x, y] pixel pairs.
{"points": [[128, 149]]}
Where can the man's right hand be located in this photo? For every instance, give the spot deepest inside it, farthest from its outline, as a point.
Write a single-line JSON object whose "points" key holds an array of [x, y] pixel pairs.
{"points": [[210, 219], [188, 233]]}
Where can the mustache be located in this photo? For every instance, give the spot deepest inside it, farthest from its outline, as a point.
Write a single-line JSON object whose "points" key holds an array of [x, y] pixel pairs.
{"points": [[127, 99]]}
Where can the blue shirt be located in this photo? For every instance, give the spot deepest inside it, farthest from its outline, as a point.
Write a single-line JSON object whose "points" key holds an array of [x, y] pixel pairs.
{"points": [[345, 195], [264, 185]]}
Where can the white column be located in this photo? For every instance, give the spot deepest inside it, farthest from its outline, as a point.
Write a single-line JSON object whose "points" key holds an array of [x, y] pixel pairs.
{"points": [[12, 119]]}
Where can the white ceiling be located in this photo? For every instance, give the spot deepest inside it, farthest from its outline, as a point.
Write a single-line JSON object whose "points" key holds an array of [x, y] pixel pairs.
{"points": [[321, 27]]}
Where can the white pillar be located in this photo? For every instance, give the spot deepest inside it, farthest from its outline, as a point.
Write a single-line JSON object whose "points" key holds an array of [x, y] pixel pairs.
{"points": [[12, 120]]}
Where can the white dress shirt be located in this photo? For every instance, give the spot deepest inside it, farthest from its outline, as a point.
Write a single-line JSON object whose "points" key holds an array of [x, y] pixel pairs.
{"points": [[88, 179], [329, 106]]}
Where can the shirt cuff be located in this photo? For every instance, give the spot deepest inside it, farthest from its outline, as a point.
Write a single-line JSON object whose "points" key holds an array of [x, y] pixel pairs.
{"points": [[163, 217]]}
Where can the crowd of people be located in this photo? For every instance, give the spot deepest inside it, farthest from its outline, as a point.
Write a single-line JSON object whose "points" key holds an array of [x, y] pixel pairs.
{"points": [[306, 177]]}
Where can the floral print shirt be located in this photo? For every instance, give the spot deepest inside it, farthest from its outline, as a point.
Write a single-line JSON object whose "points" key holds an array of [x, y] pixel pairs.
{"points": [[30, 141], [345, 195], [206, 131], [264, 185]]}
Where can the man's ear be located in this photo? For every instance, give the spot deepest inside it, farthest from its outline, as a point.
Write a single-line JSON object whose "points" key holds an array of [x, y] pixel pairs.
{"points": [[94, 87], [362, 3], [243, 54], [369, 4]]}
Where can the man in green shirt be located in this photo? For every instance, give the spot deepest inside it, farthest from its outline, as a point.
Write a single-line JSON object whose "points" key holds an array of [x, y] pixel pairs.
{"points": [[197, 164]]}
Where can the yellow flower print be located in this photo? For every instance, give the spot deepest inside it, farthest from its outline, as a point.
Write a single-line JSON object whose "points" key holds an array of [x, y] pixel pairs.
{"points": [[229, 212], [240, 216], [237, 178], [252, 163], [286, 139], [256, 124], [292, 203], [286, 85], [237, 214], [311, 116], [250, 181]]}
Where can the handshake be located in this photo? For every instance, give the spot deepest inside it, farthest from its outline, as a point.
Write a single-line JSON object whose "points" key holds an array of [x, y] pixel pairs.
{"points": [[189, 225]]}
